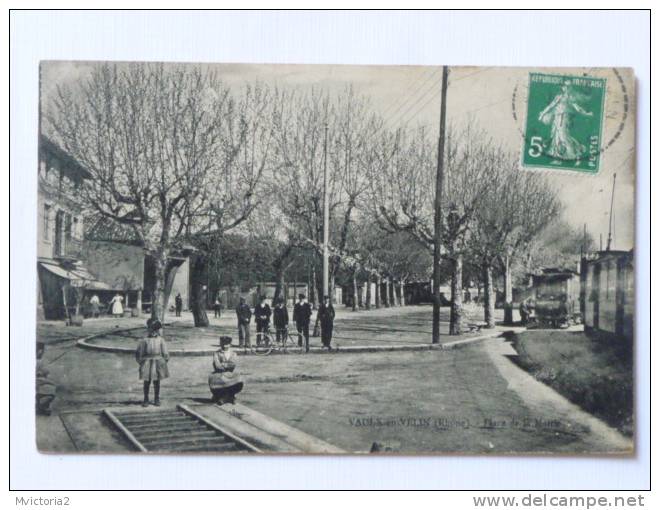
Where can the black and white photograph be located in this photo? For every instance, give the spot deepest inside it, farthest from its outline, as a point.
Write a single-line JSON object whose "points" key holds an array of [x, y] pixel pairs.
{"points": [[335, 259], [329, 249]]}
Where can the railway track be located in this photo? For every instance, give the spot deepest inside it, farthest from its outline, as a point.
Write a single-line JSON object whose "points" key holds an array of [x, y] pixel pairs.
{"points": [[176, 430]]}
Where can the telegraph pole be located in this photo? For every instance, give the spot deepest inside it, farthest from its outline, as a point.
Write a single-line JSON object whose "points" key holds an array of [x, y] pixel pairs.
{"points": [[609, 233], [437, 218], [326, 214]]}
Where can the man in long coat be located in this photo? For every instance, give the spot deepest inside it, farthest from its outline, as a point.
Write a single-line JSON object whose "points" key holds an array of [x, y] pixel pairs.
{"points": [[326, 318], [262, 314], [243, 314], [280, 319], [302, 313]]}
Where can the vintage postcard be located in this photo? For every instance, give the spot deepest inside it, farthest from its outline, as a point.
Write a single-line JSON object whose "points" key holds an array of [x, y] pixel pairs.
{"points": [[328, 259]]}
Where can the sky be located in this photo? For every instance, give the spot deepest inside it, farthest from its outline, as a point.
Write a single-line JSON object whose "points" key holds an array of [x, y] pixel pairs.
{"points": [[493, 98]]}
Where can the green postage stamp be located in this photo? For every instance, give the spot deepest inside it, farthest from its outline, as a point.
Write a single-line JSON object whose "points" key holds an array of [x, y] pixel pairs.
{"points": [[564, 122]]}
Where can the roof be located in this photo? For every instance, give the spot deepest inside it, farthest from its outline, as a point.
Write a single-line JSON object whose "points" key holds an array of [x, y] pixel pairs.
{"points": [[600, 256], [46, 145], [77, 275], [101, 228], [549, 275]]}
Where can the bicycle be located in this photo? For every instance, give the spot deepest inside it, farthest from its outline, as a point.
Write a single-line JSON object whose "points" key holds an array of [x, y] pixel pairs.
{"points": [[269, 342]]}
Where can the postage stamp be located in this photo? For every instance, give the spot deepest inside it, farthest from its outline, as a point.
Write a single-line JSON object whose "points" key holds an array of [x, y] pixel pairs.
{"points": [[564, 122]]}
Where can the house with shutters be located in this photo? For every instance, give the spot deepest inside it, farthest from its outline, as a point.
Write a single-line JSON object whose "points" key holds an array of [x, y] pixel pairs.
{"points": [[63, 276], [81, 254]]}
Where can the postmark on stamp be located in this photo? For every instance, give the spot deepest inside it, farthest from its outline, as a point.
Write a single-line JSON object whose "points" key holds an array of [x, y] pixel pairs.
{"points": [[564, 122]]}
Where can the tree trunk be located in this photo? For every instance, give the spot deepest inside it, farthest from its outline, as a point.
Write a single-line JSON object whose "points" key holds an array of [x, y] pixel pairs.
{"points": [[158, 301], [386, 294], [312, 287], [316, 332], [367, 298], [279, 282], [508, 292], [377, 291], [402, 292], [170, 273], [489, 298], [395, 296], [331, 289], [79, 297], [355, 292], [198, 292], [456, 312]]}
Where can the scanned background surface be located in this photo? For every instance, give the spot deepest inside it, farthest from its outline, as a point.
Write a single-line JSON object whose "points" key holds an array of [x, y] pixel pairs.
{"points": [[207, 59]]}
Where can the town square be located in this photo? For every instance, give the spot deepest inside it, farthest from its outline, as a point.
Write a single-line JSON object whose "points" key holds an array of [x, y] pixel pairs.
{"points": [[334, 259]]}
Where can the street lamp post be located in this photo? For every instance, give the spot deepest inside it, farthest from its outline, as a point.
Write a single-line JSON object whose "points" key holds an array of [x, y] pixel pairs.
{"points": [[326, 214], [437, 219]]}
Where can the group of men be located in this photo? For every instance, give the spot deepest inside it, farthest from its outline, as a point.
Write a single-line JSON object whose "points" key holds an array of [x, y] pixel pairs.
{"points": [[302, 315]]}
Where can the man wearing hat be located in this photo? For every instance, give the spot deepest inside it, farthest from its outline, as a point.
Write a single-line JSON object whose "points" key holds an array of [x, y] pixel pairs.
{"points": [[243, 314], [326, 318], [262, 314], [280, 319], [302, 313]]}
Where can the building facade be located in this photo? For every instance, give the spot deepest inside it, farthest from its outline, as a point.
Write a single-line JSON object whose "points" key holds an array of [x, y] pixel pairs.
{"points": [[62, 273], [608, 292]]}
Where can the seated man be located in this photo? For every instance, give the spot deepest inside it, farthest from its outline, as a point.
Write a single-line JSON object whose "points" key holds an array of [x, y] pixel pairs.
{"points": [[224, 382]]}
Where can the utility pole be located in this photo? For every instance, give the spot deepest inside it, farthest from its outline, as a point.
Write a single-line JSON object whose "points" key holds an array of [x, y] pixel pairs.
{"points": [[609, 233], [326, 213], [437, 217]]}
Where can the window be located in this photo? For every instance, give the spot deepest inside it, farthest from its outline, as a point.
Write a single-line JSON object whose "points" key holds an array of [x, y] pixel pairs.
{"points": [[68, 225], [59, 230], [46, 232]]}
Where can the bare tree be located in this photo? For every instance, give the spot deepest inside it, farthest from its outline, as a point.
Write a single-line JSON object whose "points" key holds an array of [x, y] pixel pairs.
{"points": [[403, 193], [239, 183], [349, 157], [514, 211], [558, 245], [162, 144]]}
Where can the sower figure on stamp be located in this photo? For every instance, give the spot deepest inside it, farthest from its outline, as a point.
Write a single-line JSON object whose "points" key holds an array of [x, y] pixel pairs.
{"points": [[326, 316], [302, 313], [280, 320], [152, 356], [559, 115], [224, 382], [244, 315], [262, 314]]}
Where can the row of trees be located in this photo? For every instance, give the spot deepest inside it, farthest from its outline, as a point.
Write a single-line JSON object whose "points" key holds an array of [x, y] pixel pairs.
{"points": [[183, 159]]}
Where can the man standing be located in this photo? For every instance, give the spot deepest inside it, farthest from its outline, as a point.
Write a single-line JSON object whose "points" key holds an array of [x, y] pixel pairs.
{"points": [[178, 304], [327, 318], [280, 320], [261, 318], [302, 313], [243, 314]]}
